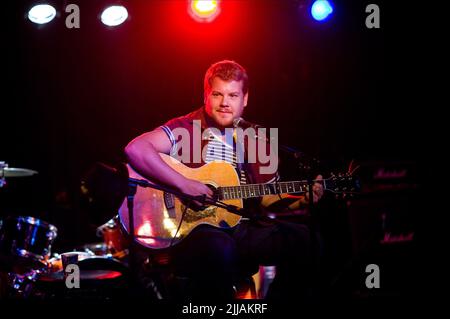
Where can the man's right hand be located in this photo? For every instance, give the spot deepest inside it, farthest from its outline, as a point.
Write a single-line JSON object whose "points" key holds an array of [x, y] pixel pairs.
{"points": [[194, 188]]}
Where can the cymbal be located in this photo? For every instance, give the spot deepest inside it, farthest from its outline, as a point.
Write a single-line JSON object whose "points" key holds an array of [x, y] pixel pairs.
{"points": [[16, 172], [84, 275]]}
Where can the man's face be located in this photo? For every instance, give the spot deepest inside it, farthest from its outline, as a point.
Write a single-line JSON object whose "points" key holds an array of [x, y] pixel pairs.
{"points": [[225, 101]]}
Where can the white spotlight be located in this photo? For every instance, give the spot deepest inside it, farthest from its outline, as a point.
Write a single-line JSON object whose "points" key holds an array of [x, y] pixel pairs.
{"points": [[114, 15], [41, 13]]}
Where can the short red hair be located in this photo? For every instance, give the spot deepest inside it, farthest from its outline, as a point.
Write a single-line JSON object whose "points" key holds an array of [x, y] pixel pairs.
{"points": [[226, 70]]}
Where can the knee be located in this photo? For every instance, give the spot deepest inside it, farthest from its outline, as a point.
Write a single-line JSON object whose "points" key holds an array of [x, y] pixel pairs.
{"points": [[300, 235], [221, 250], [214, 248]]}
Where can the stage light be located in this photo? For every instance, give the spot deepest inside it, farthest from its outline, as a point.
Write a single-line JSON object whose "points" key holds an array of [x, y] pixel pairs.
{"points": [[204, 10], [321, 10], [41, 13], [114, 15]]}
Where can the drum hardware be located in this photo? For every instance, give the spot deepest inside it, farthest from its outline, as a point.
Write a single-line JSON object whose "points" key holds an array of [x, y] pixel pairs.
{"points": [[96, 249], [22, 284]]}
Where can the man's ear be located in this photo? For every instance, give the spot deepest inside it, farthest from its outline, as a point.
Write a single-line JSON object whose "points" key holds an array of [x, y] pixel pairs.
{"points": [[245, 99]]}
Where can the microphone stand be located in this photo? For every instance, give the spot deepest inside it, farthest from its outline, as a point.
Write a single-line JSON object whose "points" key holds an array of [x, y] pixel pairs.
{"points": [[306, 165], [132, 261]]}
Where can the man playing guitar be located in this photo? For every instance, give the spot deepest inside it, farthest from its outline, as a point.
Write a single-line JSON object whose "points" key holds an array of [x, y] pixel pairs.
{"points": [[213, 257]]}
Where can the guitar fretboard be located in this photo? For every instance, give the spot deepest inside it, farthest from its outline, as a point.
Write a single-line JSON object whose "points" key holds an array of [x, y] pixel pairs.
{"points": [[257, 190]]}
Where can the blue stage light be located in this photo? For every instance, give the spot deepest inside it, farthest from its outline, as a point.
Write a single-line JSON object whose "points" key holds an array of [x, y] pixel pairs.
{"points": [[321, 10]]}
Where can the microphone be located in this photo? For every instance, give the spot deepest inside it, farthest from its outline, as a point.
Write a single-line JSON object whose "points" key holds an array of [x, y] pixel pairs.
{"points": [[240, 122], [243, 124]]}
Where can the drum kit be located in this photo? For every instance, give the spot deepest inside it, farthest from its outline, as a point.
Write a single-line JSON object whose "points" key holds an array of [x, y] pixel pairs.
{"points": [[29, 268]]}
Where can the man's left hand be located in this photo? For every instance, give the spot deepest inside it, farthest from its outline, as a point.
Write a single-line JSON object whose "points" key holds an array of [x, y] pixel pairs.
{"points": [[317, 190]]}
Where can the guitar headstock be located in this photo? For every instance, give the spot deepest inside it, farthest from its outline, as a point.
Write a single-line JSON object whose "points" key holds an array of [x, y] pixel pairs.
{"points": [[342, 184]]}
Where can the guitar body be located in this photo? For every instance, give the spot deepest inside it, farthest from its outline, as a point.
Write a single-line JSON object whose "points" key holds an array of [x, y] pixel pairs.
{"points": [[157, 215]]}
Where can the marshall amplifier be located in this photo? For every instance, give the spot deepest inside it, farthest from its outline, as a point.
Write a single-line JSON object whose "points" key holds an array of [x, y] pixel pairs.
{"points": [[387, 208], [388, 176]]}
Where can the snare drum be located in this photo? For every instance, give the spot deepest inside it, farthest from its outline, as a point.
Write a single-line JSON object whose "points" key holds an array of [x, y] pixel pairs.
{"points": [[26, 237]]}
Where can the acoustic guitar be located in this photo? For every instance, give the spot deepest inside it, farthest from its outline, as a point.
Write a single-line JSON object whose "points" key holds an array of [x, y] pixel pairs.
{"points": [[162, 220]]}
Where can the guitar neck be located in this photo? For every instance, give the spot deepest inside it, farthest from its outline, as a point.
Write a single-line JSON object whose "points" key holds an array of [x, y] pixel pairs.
{"points": [[257, 190]]}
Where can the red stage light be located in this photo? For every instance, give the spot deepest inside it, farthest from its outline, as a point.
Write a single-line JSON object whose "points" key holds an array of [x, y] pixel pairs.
{"points": [[204, 10]]}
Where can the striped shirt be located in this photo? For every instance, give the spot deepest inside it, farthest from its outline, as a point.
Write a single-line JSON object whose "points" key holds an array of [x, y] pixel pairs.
{"points": [[217, 149]]}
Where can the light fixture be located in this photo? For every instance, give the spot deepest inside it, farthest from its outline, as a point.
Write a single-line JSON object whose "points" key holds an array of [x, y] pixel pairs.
{"points": [[204, 10], [114, 15], [41, 13], [321, 10]]}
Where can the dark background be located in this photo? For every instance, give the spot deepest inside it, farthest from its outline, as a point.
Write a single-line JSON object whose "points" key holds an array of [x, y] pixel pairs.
{"points": [[73, 97]]}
